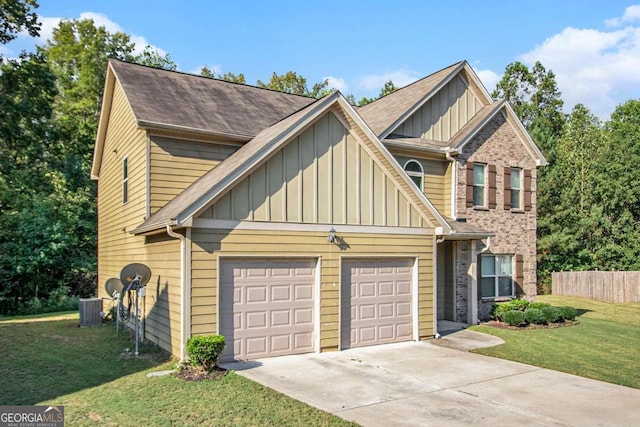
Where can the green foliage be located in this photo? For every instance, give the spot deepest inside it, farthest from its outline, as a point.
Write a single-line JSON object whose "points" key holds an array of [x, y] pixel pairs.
{"points": [[513, 317], [16, 16], [293, 83], [539, 305], [568, 313], [498, 310], [205, 350], [229, 77], [534, 316], [551, 314], [154, 58], [388, 88], [58, 300]]}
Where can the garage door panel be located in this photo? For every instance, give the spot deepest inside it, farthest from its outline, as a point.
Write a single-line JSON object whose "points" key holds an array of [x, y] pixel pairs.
{"points": [[267, 307], [376, 301]]}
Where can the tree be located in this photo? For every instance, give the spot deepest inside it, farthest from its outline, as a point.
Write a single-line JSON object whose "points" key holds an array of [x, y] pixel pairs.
{"points": [[387, 89], [16, 16], [295, 84], [535, 98], [153, 58], [229, 77]]}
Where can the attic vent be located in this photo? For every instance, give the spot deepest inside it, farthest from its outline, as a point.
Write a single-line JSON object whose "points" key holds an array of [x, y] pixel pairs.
{"points": [[90, 309]]}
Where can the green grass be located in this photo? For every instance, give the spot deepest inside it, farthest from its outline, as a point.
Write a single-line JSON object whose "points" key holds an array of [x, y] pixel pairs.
{"points": [[605, 345], [50, 360]]}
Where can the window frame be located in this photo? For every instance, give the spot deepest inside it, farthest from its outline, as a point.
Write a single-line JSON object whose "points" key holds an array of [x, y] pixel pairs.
{"points": [[519, 190], [125, 180], [496, 275], [415, 174], [484, 185]]}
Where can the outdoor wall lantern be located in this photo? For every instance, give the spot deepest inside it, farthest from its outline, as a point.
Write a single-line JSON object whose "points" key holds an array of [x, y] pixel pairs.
{"points": [[331, 238]]}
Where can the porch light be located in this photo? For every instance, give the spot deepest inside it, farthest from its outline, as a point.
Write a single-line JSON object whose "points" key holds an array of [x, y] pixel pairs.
{"points": [[331, 238]]}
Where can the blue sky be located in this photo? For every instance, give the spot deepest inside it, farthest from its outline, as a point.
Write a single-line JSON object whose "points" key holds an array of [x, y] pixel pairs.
{"points": [[592, 46]]}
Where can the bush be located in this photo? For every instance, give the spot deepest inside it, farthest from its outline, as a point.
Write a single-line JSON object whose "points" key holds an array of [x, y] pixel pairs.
{"points": [[514, 317], [518, 304], [539, 305], [59, 300], [534, 316], [205, 350], [498, 310], [552, 314], [568, 313]]}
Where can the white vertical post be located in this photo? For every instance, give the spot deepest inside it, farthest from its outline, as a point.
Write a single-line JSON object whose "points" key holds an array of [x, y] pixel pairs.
{"points": [[472, 288]]}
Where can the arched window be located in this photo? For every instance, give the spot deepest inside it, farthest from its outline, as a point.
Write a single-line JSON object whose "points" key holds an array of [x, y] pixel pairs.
{"points": [[413, 168]]}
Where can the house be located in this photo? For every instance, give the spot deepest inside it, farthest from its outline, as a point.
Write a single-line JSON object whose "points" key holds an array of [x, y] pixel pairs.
{"points": [[291, 225]]}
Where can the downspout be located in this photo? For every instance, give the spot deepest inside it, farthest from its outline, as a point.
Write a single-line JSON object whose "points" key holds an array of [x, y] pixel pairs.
{"points": [[454, 181], [472, 318], [183, 293]]}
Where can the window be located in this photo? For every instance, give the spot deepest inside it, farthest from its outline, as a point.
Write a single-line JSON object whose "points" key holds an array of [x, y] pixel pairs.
{"points": [[125, 180], [413, 168], [496, 278], [479, 184], [515, 184]]}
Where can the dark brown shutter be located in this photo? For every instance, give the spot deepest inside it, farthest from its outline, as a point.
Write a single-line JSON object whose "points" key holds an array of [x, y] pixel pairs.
{"points": [[527, 189], [492, 186], [469, 184], [519, 274], [507, 188]]}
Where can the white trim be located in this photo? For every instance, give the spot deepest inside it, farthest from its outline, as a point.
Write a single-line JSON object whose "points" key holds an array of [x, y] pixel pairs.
{"points": [[147, 184], [415, 303], [183, 293], [225, 224], [187, 285], [472, 287], [124, 195], [317, 295], [537, 154]]}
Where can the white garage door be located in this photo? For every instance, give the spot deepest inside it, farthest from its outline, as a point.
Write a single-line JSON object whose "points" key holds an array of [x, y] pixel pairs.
{"points": [[376, 302], [266, 307]]}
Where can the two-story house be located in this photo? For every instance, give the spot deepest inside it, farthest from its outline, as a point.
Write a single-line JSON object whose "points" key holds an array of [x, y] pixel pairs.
{"points": [[291, 225]]}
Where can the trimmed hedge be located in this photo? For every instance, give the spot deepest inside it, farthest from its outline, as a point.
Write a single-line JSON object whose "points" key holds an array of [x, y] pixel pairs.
{"points": [[535, 316], [514, 317], [552, 314], [568, 313], [205, 350]]}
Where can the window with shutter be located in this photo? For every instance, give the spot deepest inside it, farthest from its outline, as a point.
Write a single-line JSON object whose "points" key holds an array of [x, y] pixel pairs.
{"points": [[527, 189], [496, 276]]}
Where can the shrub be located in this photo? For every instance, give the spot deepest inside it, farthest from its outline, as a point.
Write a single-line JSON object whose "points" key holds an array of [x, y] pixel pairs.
{"points": [[568, 313], [518, 304], [539, 305], [498, 310], [551, 314], [534, 316], [205, 350], [514, 317]]}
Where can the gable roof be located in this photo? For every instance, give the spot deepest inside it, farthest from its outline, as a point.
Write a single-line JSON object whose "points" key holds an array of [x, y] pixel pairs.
{"points": [[171, 100], [184, 207], [385, 114]]}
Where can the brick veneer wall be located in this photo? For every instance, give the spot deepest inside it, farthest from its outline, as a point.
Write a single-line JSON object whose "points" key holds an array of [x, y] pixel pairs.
{"points": [[497, 144]]}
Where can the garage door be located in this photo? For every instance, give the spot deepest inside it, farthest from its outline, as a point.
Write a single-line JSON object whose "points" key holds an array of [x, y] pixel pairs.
{"points": [[376, 302], [266, 307]]}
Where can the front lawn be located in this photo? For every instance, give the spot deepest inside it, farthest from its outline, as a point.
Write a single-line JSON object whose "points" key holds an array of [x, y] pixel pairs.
{"points": [[605, 345], [50, 360]]}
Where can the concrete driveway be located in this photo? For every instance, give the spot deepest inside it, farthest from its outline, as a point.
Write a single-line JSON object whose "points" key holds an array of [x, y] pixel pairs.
{"points": [[423, 384]]}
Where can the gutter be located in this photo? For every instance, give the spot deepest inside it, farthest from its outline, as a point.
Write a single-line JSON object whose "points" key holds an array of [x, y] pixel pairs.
{"points": [[454, 179], [148, 124], [185, 294]]}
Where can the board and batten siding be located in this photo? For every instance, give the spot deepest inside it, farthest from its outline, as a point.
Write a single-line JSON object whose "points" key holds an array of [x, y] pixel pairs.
{"points": [[117, 247], [444, 114], [209, 245], [322, 176], [175, 164], [435, 182]]}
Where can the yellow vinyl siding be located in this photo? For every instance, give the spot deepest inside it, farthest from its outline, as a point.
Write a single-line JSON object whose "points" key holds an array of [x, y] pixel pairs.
{"points": [[323, 176], [436, 181], [116, 246], [209, 245], [175, 164], [444, 114]]}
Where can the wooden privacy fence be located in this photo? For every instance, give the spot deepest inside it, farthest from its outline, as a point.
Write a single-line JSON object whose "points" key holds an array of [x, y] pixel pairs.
{"points": [[608, 286]]}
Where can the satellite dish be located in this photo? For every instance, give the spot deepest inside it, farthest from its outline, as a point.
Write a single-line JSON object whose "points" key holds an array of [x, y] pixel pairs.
{"points": [[135, 271], [113, 286]]}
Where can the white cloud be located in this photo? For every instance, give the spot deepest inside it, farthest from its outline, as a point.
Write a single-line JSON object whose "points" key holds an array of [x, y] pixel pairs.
{"points": [[337, 83], [217, 69], [631, 14], [599, 69], [376, 81], [489, 78]]}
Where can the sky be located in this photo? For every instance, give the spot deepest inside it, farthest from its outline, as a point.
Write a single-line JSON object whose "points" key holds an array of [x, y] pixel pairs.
{"points": [[592, 46]]}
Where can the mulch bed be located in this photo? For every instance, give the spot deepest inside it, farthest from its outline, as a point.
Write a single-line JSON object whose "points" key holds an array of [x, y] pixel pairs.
{"points": [[197, 373], [502, 325]]}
